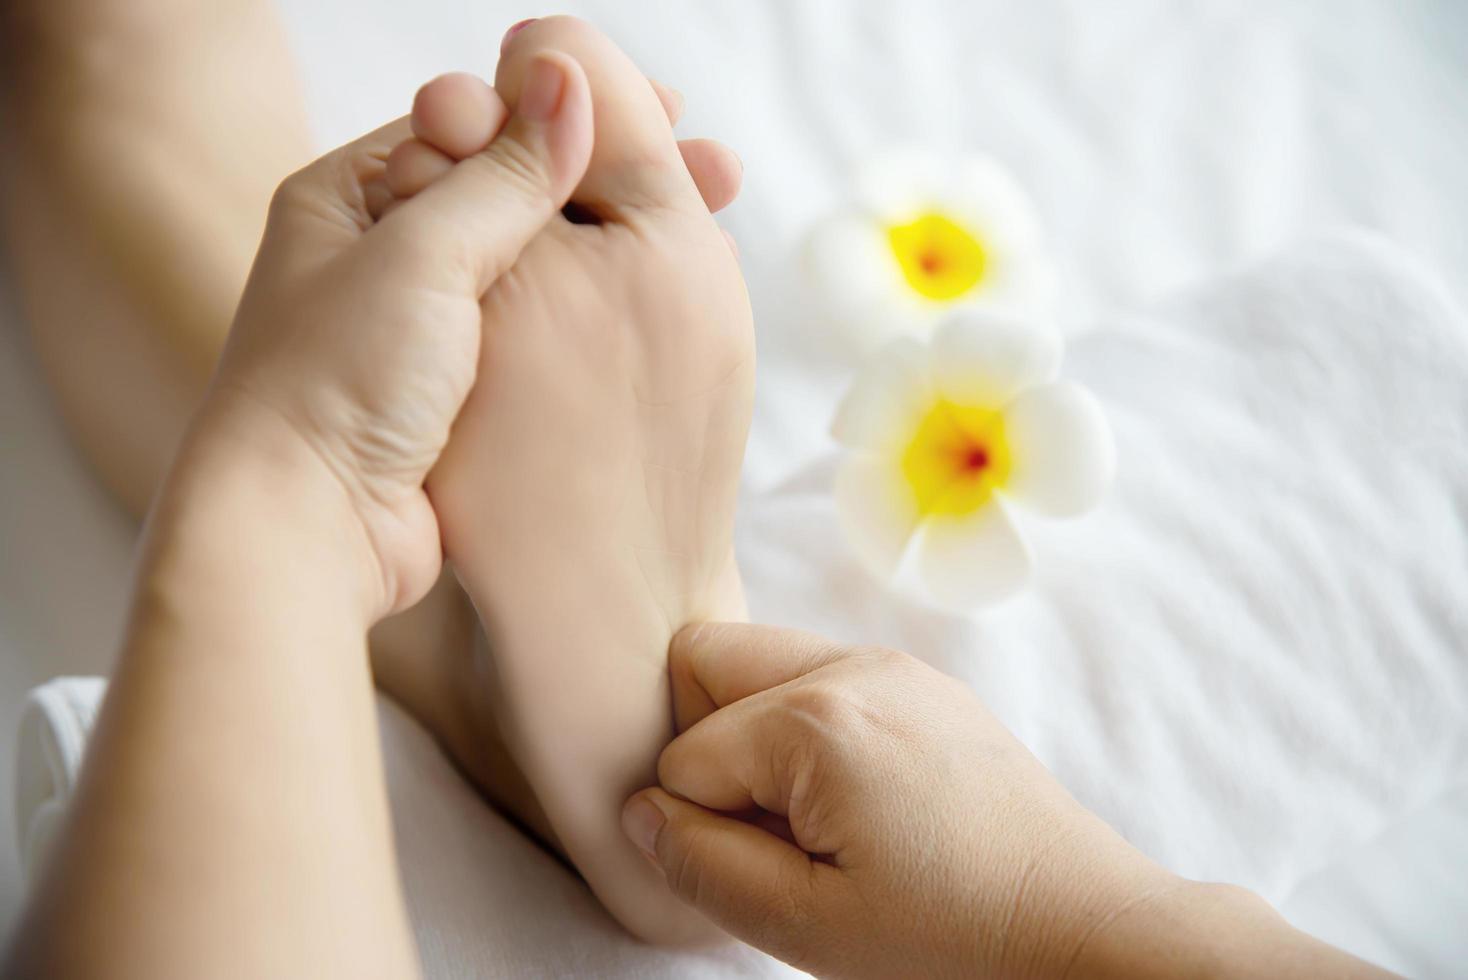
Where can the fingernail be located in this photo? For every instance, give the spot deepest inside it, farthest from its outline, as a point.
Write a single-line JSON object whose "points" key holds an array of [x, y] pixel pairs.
{"points": [[641, 822], [516, 29], [541, 95]]}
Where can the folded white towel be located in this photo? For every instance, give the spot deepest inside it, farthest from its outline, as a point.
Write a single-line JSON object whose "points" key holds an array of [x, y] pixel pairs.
{"points": [[484, 900], [54, 726]]}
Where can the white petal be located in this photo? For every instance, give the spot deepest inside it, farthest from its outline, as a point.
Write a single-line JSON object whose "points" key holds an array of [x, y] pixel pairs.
{"points": [[985, 359], [850, 263], [877, 510], [1019, 276], [847, 256], [1021, 284], [969, 562], [896, 185], [981, 191], [883, 406], [1062, 451]]}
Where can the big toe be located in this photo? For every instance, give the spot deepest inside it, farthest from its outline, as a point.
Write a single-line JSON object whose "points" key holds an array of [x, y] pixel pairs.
{"points": [[635, 160]]}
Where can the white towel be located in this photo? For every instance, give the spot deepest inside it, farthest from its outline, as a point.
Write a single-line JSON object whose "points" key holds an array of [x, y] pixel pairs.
{"points": [[54, 727], [484, 900]]}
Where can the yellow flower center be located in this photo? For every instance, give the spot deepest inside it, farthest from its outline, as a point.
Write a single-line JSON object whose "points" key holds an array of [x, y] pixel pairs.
{"points": [[956, 459], [939, 258]]}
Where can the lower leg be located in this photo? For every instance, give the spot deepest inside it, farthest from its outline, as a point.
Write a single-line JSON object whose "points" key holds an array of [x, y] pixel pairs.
{"points": [[146, 138]]}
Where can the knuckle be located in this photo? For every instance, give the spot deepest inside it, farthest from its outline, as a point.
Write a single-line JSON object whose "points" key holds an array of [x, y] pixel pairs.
{"points": [[884, 657], [820, 709], [289, 195], [817, 782], [818, 726], [328, 190]]}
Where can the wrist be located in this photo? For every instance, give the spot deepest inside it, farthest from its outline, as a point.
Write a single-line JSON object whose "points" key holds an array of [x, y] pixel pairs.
{"points": [[1200, 929], [249, 508]]}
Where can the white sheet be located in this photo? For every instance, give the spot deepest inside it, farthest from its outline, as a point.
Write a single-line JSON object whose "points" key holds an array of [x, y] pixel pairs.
{"points": [[1249, 661], [1164, 142]]}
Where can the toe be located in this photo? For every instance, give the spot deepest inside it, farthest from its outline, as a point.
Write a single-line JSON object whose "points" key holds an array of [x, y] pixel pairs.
{"points": [[671, 98], [715, 169], [635, 160], [457, 114]]}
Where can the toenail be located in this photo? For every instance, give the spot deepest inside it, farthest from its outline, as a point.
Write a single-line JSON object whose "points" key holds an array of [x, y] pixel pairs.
{"points": [[516, 29]]}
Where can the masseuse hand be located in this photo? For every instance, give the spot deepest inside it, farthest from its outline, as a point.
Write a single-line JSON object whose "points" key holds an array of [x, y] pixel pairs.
{"points": [[231, 818], [357, 340], [857, 814]]}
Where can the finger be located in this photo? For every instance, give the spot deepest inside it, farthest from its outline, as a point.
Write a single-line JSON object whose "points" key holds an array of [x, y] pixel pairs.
{"points": [[716, 664], [763, 750], [716, 170], [485, 210], [751, 883], [671, 98], [727, 762], [377, 197], [413, 165], [458, 114], [635, 164], [331, 202]]}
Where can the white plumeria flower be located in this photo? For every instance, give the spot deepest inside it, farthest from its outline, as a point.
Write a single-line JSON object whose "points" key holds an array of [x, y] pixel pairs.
{"points": [[924, 235], [945, 435]]}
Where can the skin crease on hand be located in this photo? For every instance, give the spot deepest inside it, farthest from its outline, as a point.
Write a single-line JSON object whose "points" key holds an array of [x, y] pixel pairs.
{"points": [[913, 835]]}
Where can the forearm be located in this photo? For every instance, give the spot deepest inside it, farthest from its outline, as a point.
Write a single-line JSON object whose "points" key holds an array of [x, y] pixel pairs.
{"points": [[232, 818], [1109, 911], [1209, 930]]}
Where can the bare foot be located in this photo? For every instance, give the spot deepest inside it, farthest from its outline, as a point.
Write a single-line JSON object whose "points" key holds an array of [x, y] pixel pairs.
{"points": [[587, 495]]}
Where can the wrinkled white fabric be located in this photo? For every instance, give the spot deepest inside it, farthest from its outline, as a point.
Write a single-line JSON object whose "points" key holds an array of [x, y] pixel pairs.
{"points": [[1249, 660], [1251, 657]]}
